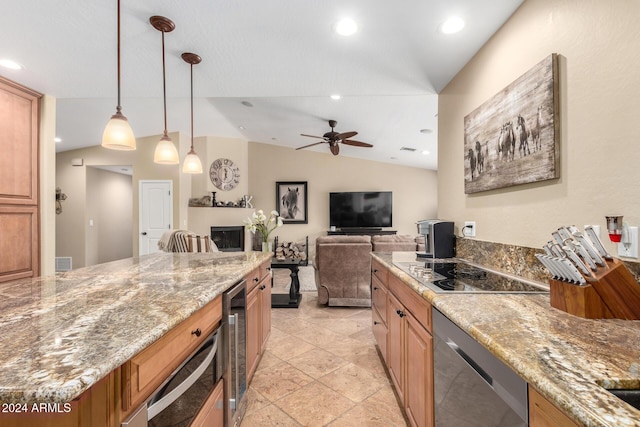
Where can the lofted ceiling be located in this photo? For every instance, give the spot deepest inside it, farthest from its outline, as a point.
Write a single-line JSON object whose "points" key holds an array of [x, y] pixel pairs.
{"points": [[281, 57]]}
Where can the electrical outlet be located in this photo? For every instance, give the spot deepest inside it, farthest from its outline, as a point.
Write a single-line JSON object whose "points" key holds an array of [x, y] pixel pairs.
{"points": [[629, 250], [469, 229]]}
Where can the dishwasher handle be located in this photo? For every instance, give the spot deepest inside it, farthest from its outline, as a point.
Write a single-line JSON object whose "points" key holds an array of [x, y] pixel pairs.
{"points": [[472, 364]]}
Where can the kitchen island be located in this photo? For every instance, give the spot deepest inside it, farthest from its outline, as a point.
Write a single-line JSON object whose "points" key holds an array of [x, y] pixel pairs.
{"points": [[62, 334], [568, 360]]}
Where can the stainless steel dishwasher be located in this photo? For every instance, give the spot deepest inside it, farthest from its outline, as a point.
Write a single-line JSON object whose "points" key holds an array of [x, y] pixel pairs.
{"points": [[471, 386]]}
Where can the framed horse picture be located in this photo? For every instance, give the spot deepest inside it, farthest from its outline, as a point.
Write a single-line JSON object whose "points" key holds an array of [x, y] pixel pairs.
{"points": [[291, 200], [512, 138]]}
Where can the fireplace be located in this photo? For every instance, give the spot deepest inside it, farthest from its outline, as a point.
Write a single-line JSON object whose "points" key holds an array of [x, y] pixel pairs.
{"points": [[228, 239]]}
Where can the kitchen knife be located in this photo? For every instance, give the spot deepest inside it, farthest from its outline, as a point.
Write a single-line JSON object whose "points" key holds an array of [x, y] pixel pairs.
{"points": [[552, 269], [563, 272], [557, 238], [577, 247], [574, 273], [557, 250], [576, 260], [588, 247], [564, 233], [597, 243], [547, 249]]}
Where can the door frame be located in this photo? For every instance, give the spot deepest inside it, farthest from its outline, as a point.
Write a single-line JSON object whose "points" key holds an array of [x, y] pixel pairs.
{"points": [[140, 204]]}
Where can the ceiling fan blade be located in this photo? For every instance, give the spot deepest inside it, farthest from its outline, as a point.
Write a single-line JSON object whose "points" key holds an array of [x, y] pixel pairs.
{"points": [[356, 143], [346, 135], [335, 149], [312, 136], [310, 145]]}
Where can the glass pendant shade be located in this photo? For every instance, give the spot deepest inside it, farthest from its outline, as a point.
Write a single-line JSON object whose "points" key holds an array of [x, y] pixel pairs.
{"points": [[118, 134], [166, 153], [192, 163]]}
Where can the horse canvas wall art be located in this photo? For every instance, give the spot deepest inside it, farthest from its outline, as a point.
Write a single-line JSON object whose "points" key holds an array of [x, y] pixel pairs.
{"points": [[291, 200], [512, 138]]}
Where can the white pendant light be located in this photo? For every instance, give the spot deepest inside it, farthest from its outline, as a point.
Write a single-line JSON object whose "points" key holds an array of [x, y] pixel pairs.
{"points": [[118, 134], [192, 163], [166, 152]]}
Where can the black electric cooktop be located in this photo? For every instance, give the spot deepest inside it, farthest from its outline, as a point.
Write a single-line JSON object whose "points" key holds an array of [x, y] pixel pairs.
{"points": [[459, 276]]}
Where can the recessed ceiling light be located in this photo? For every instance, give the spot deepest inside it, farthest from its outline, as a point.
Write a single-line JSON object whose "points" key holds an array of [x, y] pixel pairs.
{"points": [[426, 152], [57, 139], [241, 127], [12, 65], [247, 104], [346, 27], [427, 131], [452, 25], [335, 97]]}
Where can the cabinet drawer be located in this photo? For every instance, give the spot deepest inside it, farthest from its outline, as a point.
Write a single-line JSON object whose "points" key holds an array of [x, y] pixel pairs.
{"points": [[380, 332], [264, 269], [379, 271], [418, 306], [155, 363], [253, 279], [379, 296]]}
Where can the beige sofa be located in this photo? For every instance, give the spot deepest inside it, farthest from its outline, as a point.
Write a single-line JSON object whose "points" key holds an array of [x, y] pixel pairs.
{"points": [[343, 270]]}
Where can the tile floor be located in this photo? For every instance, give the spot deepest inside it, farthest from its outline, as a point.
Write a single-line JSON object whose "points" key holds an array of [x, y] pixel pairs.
{"points": [[321, 368]]}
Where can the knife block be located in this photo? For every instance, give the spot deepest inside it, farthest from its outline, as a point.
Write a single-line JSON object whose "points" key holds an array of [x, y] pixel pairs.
{"points": [[610, 293]]}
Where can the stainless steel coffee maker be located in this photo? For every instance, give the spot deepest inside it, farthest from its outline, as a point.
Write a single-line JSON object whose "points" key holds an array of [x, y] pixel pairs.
{"points": [[438, 238]]}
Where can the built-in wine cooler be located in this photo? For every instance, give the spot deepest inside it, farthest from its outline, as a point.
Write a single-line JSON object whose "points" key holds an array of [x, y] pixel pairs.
{"points": [[234, 315]]}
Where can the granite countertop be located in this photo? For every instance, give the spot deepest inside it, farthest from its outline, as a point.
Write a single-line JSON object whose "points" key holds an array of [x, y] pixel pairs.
{"points": [[566, 358], [63, 333]]}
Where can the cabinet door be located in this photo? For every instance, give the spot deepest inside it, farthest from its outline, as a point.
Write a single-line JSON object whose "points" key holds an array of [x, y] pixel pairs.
{"points": [[543, 413], [418, 399], [395, 344], [265, 308], [253, 332], [19, 242]]}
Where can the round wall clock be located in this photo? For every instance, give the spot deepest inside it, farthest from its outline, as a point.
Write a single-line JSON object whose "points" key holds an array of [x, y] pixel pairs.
{"points": [[224, 174]]}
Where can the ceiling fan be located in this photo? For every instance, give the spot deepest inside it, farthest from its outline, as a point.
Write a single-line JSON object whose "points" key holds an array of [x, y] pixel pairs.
{"points": [[333, 138]]}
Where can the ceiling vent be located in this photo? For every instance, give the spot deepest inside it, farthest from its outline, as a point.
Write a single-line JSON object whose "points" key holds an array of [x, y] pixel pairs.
{"points": [[407, 149]]}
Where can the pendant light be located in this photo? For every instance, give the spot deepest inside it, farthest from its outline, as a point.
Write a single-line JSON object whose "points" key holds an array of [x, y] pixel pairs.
{"points": [[192, 163], [166, 152], [118, 134]]}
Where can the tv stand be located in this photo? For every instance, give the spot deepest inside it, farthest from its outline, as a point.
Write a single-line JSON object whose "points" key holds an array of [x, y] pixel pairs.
{"points": [[361, 231]]}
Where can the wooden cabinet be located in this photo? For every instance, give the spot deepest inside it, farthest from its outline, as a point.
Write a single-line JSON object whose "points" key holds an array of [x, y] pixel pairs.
{"points": [[19, 202], [212, 413], [408, 342], [543, 413], [148, 369], [258, 315], [379, 306]]}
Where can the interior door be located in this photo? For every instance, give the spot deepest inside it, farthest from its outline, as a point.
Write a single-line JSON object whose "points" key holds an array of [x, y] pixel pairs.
{"points": [[156, 213]]}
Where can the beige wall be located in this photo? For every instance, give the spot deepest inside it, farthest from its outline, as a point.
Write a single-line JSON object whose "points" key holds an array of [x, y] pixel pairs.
{"points": [[72, 224], [109, 207], [414, 190], [599, 47]]}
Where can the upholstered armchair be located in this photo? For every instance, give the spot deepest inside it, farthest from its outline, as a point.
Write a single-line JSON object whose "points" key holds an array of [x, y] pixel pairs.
{"points": [[343, 270]]}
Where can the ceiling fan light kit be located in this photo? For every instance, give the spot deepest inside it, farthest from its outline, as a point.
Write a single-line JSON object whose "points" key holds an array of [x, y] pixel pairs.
{"points": [[333, 138], [192, 163], [118, 134], [166, 152]]}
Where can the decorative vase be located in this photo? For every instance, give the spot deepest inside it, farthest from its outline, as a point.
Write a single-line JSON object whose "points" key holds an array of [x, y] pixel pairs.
{"points": [[266, 247]]}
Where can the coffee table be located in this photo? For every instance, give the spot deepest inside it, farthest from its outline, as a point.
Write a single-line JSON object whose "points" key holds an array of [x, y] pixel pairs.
{"points": [[292, 299]]}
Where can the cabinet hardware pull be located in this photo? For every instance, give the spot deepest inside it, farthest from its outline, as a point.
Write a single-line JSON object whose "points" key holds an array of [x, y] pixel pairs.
{"points": [[197, 332], [375, 270], [400, 313], [262, 288], [255, 279], [375, 288], [376, 322]]}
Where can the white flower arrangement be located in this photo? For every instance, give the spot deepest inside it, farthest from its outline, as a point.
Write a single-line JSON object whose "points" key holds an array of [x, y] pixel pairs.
{"points": [[259, 221]]}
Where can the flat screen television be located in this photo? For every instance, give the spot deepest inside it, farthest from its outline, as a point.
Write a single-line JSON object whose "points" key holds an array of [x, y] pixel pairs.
{"points": [[361, 209]]}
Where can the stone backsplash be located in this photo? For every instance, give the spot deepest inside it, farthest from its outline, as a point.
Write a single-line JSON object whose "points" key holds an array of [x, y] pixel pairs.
{"points": [[518, 260]]}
